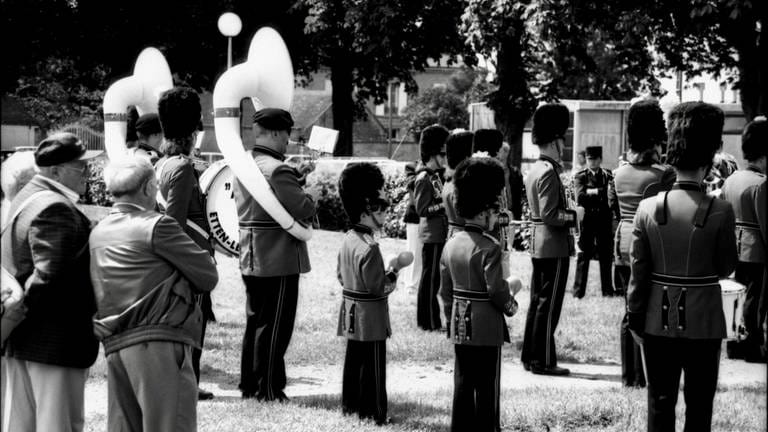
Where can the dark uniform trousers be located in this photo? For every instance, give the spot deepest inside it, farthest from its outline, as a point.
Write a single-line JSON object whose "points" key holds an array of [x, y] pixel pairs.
{"points": [[476, 377], [427, 307], [547, 291], [751, 275], [271, 311], [364, 388], [596, 236], [665, 359]]}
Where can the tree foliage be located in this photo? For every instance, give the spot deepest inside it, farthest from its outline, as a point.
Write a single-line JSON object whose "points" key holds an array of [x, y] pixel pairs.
{"points": [[368, 44], [437, 105]]}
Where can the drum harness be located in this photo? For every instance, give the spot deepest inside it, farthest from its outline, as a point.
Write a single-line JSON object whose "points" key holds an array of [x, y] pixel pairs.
{"points": [[684, 282]]}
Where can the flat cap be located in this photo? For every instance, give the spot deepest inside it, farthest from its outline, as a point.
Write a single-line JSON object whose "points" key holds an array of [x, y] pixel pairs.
{"points": [[61, 148], [273, 119]]}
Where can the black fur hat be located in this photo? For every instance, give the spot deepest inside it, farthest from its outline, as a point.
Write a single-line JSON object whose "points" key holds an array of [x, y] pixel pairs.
{"points": [[458, 147], [645, 125], [754, 140], [550, 121], [180, 112], [695, 135], [432, 141], [487, 140], [359, 185], [479, 182]]}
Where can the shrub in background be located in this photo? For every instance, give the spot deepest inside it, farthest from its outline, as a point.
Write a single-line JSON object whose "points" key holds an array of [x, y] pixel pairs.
{"points": [[96, 191]]}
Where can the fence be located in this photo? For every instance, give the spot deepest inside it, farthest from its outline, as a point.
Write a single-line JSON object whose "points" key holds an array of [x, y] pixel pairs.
{"points": [[93, 140]]}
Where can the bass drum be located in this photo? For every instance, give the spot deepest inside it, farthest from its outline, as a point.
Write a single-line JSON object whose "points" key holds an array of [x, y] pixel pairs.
{"points": [[217, 183]]}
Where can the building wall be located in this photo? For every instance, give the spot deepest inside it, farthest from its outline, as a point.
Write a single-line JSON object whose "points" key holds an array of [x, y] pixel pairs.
{"points": [[13, 136]]}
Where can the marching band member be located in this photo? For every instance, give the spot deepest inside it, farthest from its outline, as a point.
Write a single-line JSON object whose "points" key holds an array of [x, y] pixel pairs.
{"points": [[551, 241], [149, 138], [476, 297], [683, 242], [179, 193], [642, 177], [458, 147], [591, 186], [433, 225], [271, 260], [364, 315], [145, 270], [752, 253], [412, 274]]}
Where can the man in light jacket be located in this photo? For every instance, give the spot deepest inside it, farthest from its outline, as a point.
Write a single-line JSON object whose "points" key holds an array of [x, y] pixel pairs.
{"points": [[145, 271]]}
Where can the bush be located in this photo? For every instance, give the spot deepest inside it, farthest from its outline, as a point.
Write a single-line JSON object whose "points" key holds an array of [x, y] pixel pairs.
{"points": [[330, 213], [96, 191]]}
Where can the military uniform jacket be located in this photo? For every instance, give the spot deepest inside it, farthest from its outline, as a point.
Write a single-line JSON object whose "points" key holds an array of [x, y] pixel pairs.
{"points": [[550, 236], [474, 293], [595, 205], [455, 222], [683, 243], [428, 200], [266, 249], [364, 313], [184, 201], [634, 182], [736, 191]]}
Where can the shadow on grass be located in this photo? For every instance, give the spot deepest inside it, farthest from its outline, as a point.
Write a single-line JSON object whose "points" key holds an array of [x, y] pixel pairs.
{"points": [[595, 377], [406, 415]]}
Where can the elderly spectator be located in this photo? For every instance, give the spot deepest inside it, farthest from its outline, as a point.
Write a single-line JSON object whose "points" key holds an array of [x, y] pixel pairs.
{"points": [[145, 272], [16, 172], [46, 250]]}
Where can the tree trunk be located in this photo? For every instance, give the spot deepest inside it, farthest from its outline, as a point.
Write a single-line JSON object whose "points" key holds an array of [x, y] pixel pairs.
{"points": [[512, 103], [342, 106]]}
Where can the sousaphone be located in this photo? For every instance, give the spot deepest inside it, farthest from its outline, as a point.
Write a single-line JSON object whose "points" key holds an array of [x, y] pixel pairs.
{"points": [[151, 77]]}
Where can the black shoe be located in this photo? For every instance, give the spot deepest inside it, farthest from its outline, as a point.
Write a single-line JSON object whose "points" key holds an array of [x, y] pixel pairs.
{"points": [[385, 421], [553, 370], [204, 394]]}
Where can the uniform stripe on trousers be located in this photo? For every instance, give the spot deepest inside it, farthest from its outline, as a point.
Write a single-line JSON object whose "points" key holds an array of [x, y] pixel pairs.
{"points": [[548, 352], [273, 342]]}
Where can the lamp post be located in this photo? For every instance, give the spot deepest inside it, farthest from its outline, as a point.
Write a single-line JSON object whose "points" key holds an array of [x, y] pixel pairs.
{"points": [[229, 26]]}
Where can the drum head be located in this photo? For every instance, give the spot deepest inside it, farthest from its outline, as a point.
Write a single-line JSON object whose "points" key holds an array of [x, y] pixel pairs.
{"points": [[220, 208]]}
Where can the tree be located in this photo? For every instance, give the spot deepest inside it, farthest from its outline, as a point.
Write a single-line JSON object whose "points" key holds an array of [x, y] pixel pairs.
{"points": [[551, 49], [716, 36], [368, 44], [436, 106]]}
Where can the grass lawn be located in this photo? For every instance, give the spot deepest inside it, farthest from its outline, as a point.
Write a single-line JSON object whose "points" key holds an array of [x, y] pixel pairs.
{"points": [[587, 333]]}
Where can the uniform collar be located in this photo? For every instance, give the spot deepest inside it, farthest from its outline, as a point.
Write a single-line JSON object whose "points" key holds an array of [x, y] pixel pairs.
{"points": [[688, 185], [550, 160], [67, 192], [271, 152], [470, 227], [362, 229]]}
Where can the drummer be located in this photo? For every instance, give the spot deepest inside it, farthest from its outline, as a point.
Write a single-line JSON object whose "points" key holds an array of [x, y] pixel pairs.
{"points": [[683, 242], [179, 194]]}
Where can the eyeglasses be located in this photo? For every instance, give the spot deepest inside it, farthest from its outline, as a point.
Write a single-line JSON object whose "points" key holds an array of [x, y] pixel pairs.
{"points": [[80, 171]]}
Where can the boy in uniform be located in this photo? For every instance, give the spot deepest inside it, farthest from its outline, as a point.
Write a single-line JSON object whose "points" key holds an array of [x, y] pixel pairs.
{"points": [[364, 314], [433, 224], [476, 297]]}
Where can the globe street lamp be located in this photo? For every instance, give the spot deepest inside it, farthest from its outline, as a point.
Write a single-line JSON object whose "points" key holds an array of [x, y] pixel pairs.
{"points": [[229, 26]]}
